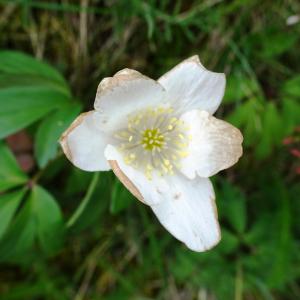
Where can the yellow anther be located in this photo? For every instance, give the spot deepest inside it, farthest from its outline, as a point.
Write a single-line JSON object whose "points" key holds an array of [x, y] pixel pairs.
{"points": [[159, 146], [183, 154], [149, 167], [164, 169], [148, 175], [166, 162]]}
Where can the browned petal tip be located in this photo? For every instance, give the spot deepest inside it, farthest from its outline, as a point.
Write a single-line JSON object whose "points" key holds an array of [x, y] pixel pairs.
{"points": [[63, 139], [125, 180]]}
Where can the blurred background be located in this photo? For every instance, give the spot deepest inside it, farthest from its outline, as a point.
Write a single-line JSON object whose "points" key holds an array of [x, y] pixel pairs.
{"points": [[68, 234]]}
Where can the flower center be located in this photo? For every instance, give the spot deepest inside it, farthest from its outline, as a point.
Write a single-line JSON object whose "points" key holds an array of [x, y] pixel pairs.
{"points": [[152, 138], [155, 139]]}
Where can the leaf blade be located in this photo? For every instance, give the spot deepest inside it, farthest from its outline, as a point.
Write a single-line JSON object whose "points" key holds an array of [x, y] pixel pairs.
{"points": [[21, 106], [49, 220], [8, 206], [10, 173], [48, 133]]}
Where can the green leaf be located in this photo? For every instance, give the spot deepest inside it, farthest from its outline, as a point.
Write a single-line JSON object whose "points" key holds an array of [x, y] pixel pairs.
{"points": [[272, 132], [21, 106], [257, 234], [233, 207], [21, 80], [276, 43], [291, 114], [248, 117], [46, 141], [10, 173], [39, 220], [291, 87], [239, 87], [48, 218], [121, 198], [20, 64], [229, 242], [8, 206], [19, 236]]}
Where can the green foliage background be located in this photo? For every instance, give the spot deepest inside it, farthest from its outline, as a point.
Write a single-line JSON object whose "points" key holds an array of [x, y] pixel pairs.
{"points": [[68, 234]]}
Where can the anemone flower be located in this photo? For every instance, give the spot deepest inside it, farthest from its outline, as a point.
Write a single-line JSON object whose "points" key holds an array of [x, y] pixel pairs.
{"points": [[161, 140]]}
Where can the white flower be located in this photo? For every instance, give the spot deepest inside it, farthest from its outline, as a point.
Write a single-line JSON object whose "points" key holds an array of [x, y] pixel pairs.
{"points": [[161, 140]]}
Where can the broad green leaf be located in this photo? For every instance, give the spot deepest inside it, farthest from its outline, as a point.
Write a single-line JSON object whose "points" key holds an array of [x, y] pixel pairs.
{"points": [[233, 207], [257, 234], [239, 87], [8, 206], [18, 63], [48, 220], [291, 114], [19, 237], [40, 220], [121, 198], [291, 87], [248, 118], [21, 80], [10, 173], [21, 106], [46, 141], [28, 97], [275, 43], [272, 132], [229, 242]]}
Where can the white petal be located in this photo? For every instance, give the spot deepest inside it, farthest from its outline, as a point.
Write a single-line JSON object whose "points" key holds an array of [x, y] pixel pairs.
{"points": [[190, 86], [215, 145], [126, 92], [149, 192], [84, 143], [185, 207], [188, 212]]}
